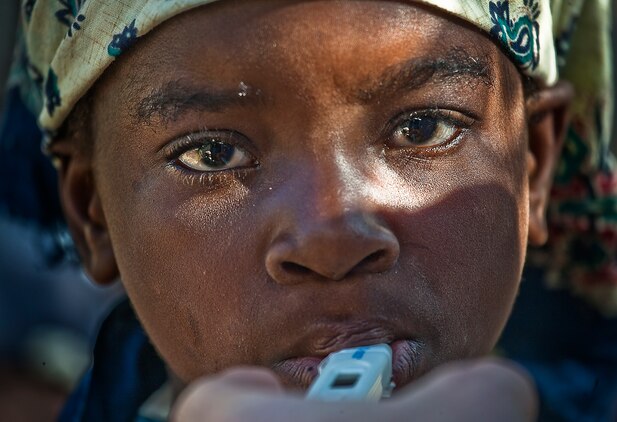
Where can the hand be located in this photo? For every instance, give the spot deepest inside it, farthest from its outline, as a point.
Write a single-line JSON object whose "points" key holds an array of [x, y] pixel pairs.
{"points": [[486, 390]]}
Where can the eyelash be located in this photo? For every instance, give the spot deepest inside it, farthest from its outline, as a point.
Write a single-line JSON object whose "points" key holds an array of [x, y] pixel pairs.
{"points": [[462, 121], [197, 139], [193, 140], [212, 180]]}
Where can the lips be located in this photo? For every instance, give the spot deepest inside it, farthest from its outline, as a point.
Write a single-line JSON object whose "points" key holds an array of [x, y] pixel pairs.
{"points": [[298, 373], [407, 357]]}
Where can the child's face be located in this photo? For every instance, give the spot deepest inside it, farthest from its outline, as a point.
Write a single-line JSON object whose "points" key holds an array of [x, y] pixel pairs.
{"points": [[370, 184]]}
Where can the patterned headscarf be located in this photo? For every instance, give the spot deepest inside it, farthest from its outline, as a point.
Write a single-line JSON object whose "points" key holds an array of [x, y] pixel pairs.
{"points": [[70, 43]]}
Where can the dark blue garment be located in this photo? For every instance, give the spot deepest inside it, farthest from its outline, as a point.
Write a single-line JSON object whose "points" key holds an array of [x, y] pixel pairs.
{"points": [[569, 349], [125, 373], [29, 182], [28, 190]]}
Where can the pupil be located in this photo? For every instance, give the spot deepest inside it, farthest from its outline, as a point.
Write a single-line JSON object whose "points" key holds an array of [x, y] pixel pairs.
{"points": [[216, 154], [419, 130]]}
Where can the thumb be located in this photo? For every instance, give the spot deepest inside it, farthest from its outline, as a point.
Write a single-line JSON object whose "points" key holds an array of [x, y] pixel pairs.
{"points": [[251, 378], [487, 389], [212, 398]]}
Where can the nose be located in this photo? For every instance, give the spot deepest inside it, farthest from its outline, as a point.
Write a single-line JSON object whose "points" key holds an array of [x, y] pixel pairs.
{"points": [[332, 249]]}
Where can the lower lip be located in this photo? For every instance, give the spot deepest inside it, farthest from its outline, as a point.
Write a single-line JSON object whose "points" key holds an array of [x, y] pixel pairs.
{"points": [[406, 356], [298, 372], [406, 361]]}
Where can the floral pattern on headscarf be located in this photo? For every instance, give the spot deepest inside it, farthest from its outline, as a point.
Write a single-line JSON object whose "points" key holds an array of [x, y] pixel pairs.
{"points": [[520, 36]]}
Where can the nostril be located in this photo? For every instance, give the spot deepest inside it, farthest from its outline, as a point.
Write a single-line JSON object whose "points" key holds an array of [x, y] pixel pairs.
{"points": [[333, 253], [295, 269], [372, 259]]}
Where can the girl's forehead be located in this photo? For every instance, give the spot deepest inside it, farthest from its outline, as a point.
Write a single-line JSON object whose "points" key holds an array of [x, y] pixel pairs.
{"points": [[405, 46], [333, 27]]}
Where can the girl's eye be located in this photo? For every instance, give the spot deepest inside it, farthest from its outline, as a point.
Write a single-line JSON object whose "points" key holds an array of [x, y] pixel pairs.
{"points": [[213, 155], [426, 131]]}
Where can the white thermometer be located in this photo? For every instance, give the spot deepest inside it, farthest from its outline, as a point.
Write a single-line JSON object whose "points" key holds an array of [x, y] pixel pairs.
{"points": [[356, 374]]}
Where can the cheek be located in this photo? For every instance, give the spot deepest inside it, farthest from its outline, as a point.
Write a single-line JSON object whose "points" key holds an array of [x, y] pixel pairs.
{"points": [[468, 239], [186, 261], [470, 249]]}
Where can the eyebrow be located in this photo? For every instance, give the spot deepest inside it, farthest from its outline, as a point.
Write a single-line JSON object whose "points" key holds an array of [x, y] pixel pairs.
{"points": [[456, 65], [174, 98], [171, 100]]}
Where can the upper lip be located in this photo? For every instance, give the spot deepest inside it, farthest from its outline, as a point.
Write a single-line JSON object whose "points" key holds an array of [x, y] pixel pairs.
{"points": [[329, 337]]}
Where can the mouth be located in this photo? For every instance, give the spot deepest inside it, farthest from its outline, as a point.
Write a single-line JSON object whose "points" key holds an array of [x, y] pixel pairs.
{"points": [[407, 356]]}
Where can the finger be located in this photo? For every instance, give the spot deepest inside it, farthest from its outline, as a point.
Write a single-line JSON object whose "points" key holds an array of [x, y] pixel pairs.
{"points": [[255, 395], [215, 398], [488, 389], [252, 378]]}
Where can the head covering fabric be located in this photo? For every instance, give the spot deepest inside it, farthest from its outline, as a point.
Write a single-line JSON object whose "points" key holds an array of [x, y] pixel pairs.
{"points": [[70, 43]]}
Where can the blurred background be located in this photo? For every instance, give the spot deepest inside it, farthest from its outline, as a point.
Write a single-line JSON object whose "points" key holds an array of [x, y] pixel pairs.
{"points": [[8, 20], [49, 311]]}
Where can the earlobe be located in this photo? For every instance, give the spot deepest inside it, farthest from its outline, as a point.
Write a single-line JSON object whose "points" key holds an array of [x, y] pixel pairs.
{"points": [[548, 119], [85, 217], [102, 266]]}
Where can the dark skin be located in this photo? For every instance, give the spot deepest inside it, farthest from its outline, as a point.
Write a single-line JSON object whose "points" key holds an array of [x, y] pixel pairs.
{"points": [[348, 180]]}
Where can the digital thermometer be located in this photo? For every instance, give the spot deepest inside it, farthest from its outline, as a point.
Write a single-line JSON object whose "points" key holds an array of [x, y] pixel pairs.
{"points": [[356, 374]]}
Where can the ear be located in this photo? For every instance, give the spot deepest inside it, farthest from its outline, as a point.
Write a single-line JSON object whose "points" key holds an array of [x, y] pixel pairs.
{"points": [[83, 211], [548, 119]]}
